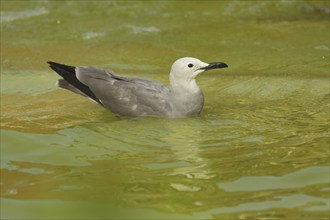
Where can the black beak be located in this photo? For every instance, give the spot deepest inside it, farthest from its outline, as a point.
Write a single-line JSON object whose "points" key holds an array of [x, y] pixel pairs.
{"points": [[214, 65]]}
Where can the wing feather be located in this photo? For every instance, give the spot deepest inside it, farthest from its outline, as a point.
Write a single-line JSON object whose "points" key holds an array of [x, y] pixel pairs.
{"points": [[126, 96]]}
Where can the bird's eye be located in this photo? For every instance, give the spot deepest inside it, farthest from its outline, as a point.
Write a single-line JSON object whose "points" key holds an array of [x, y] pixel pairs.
{"points": [[190, 65]]}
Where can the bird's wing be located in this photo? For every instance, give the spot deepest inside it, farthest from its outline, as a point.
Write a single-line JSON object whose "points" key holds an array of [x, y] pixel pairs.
{"points": [[70, 81], [126, 96]]}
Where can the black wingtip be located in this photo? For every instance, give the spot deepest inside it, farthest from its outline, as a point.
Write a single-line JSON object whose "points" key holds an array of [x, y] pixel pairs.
{"points": [[55, 66], [69, 75], [51, 63]]}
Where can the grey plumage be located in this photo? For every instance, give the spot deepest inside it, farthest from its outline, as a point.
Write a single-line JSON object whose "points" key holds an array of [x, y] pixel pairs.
{"points": [[137, 96]]}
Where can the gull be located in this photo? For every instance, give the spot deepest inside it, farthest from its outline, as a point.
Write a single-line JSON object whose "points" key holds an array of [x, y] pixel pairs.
{"points": [[127, 96]]}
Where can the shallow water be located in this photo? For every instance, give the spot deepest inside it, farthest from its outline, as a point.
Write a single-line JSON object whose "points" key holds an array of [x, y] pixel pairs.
{"points": [[259, 149]]}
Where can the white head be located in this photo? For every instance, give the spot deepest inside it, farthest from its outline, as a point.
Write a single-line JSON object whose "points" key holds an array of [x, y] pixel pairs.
{"points": [[186, 69]]}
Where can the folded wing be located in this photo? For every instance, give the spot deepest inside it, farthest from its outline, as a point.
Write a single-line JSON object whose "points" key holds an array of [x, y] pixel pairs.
{"points": [[121, 95], [126, 96]]}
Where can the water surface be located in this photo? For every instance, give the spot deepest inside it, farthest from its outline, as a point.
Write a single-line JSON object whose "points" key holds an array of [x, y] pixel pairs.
{"points": [[259, 149]]}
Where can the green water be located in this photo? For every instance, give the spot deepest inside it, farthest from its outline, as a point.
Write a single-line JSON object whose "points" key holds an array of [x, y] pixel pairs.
{"points": [[259, 149]]}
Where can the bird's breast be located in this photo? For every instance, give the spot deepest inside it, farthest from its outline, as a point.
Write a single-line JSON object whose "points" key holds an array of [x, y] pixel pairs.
{"points": [[187, 103]]}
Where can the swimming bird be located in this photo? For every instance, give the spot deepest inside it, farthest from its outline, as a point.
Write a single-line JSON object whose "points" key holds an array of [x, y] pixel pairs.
{"points": [[138, 96]]}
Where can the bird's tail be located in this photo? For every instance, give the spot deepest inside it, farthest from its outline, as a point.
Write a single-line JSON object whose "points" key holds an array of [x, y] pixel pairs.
{"points": [[70, 80]]}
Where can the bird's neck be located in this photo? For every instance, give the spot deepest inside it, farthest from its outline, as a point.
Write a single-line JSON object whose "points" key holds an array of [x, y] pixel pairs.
{"points": [[183, 84], [186, 97]]}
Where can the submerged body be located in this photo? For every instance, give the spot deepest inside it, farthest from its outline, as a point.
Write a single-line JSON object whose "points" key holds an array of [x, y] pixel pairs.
{"points": [[136, 96]]}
